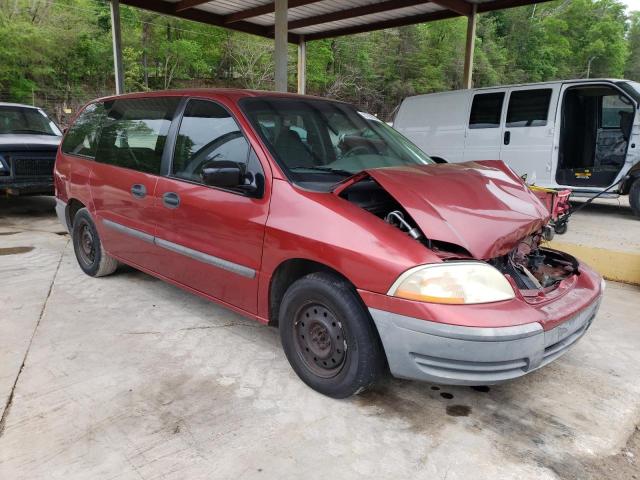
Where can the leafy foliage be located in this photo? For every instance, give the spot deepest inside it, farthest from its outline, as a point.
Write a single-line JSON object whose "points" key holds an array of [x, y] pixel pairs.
{"points": [[58, 53]]}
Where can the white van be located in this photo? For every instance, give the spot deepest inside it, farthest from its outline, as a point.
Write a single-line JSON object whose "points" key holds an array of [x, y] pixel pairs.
{"points": [[580, 134]]}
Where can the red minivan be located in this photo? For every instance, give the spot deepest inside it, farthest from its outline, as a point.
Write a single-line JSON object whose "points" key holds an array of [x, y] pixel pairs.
{"points": [[308, 215]]}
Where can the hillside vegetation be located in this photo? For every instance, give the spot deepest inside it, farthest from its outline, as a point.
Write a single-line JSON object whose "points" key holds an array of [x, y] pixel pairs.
{"points": [[57, 53]]}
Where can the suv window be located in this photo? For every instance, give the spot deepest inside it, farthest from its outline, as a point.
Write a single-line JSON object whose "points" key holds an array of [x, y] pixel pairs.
{"points": [[528, 108], [134, 133], [208, 133], [81, 138], [486, 110]]}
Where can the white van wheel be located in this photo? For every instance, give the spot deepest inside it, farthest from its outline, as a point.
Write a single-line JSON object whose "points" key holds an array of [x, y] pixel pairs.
{"points": [[634, 197]]}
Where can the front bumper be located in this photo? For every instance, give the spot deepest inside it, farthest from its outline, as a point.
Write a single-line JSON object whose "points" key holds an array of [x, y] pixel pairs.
{"points": [[456, 355], [42, 186]]}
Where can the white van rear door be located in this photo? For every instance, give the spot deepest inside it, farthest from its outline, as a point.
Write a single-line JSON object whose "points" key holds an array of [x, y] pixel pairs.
{"points": [[528, 136], [483, 133]]}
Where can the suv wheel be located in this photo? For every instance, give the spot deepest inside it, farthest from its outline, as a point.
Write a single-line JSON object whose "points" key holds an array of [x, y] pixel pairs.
{"points": [[328, 336], [92, 258], [634, 197]]}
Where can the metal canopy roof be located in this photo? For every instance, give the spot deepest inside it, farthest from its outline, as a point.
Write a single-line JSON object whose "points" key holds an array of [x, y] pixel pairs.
{"points": [[316, 19]]}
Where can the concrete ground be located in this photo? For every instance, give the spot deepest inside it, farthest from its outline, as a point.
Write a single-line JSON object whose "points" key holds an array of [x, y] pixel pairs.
{"points": [[607, 223], [129, 377]]}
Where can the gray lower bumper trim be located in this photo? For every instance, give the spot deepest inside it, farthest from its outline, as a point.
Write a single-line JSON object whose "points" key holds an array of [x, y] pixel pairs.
{"points": [[451, 354], [61, 212], [188, 252]]}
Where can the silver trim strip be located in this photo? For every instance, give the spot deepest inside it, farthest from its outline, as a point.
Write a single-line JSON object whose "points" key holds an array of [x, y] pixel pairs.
{"points": [[182, 250], [206, 258], [145, 237]]}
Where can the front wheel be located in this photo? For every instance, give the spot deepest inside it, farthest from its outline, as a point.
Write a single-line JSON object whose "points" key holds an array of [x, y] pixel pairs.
{"points": [[328, 336], [634, 197]]}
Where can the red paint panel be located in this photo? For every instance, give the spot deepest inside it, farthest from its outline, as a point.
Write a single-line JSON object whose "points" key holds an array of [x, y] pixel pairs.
{"points": [[215, 222]]}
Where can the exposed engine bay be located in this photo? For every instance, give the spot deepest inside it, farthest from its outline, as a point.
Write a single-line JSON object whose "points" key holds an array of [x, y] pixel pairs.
{"points": [[531, 266], [536, 268]]}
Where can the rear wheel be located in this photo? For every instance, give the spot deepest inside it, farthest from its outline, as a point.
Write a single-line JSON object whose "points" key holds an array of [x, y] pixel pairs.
{"points": [[634, 197], [328, 336], [92, 258]]}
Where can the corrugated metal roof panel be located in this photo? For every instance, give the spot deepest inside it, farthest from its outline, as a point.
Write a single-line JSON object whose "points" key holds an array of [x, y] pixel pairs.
{"points": [[366, 19], [222, 8]]}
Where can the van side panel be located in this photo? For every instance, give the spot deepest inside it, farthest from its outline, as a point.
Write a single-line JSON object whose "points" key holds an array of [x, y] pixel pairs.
{"points": [[436, 123]]}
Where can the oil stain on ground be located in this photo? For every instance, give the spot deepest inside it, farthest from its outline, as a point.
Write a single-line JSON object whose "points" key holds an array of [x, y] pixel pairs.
{"points": [[14, 250], [458, 410]]}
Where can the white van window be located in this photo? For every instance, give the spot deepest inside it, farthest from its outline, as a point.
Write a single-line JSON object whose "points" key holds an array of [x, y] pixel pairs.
{"points": [[486, 110], [528, 108], [615, 110]]}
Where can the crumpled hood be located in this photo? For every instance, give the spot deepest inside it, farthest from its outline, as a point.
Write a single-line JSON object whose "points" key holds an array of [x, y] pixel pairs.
{"points": [[483, 207]]}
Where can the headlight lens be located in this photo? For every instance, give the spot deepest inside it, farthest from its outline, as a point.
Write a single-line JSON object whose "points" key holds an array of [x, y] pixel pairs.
{"points": [[453, 283]]}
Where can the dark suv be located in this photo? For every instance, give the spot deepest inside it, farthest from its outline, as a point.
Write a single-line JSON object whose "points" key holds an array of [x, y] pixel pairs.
{"points": [[28, 144]]}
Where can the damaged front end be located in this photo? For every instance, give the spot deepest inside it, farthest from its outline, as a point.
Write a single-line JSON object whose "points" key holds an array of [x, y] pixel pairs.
{"points": [[535, 269], [468, 212]]}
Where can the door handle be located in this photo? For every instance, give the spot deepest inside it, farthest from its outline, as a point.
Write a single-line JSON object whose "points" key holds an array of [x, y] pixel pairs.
{"points": [[138, 190], [507, 137], [171, 200]]}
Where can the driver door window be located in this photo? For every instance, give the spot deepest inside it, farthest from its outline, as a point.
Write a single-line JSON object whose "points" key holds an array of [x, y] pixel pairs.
{"points": [[208, 133]]}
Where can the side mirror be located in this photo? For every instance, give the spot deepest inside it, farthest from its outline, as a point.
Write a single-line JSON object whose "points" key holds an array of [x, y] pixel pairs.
{"points": [[223, 173]]}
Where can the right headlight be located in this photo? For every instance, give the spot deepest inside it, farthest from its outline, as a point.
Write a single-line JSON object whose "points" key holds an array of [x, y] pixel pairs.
{"points": [[453, 283]]}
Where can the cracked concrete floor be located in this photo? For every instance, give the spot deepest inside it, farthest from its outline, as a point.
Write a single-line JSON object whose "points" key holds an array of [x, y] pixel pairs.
{"points": [[128, 377]]}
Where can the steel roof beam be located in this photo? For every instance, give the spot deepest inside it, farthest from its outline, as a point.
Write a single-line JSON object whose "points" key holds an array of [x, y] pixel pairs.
{"points": [[459, 6]]}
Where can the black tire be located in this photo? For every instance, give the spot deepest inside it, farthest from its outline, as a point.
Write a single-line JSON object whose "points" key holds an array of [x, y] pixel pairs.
{"points": [[92, 258], [561, 228], [634, 197], [315, 347]]}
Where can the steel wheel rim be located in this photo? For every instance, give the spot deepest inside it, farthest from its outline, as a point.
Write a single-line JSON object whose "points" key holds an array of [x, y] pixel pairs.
{"points": [[319, 340], [86, 244]]}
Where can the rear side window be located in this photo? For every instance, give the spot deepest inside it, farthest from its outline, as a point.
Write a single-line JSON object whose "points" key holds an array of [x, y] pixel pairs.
{"points": [[486, 110], [81, 138], [134, 133], [528, 108], [208, 133]]}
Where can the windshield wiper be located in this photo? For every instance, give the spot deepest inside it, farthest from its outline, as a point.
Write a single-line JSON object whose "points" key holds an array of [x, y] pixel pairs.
{"points": [[335, 171]]}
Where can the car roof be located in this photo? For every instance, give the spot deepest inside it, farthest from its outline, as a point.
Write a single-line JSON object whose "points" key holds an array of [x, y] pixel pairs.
{"points": [[514, 85], [232, 93], [553, 82], [8, 104]]}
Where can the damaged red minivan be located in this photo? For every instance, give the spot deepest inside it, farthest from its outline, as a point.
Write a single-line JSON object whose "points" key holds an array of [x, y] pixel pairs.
{"points": [[307, 215]]}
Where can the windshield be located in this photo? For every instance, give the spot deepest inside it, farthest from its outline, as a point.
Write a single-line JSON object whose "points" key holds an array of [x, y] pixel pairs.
{"points": [[17, 120], [322, 141]]}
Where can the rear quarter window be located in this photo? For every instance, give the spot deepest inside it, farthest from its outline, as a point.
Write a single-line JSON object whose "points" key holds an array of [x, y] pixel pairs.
{"points": [[134, 133], [81, 138]]}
